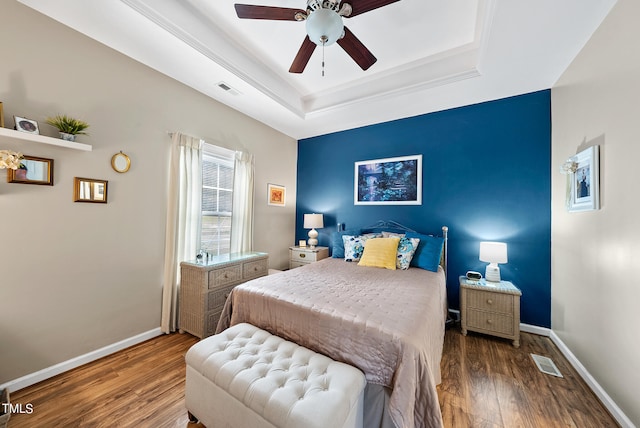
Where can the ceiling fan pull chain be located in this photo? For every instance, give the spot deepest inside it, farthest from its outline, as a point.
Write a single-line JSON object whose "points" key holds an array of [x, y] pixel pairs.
{"points": [[323, 41]]}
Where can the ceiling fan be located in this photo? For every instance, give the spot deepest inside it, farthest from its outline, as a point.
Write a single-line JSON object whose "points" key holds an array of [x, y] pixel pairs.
{"points": [[324, 26]]}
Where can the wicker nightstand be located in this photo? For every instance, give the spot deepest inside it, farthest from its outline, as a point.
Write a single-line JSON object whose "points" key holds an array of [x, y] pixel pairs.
{"points": [[490, 308], [300, 256]]}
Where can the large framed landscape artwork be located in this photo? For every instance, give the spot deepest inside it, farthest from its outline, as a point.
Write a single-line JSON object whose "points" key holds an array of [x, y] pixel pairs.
{"points": [[389, 181]]}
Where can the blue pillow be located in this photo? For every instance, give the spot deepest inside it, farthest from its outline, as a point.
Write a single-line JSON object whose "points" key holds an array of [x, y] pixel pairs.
{"points": [[427, 256], [337, 246]]}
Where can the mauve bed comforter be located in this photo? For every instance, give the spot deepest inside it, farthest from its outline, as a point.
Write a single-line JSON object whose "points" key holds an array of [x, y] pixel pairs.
{"points": [[389, 324]]}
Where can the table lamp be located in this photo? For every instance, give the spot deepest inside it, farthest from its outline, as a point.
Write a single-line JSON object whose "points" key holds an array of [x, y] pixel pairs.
{"points": [[313, 221], [494, 253]]}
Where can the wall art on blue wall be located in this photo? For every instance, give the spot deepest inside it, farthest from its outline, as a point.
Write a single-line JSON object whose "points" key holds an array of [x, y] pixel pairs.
{"points": [[390, 181]]}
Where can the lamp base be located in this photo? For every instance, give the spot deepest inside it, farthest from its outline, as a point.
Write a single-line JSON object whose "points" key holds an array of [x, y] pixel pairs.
{"points": [[492, 273], [313, 241]]}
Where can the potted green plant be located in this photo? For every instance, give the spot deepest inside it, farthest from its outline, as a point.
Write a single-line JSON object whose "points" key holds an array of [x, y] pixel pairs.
{"points": [[68, 126]]}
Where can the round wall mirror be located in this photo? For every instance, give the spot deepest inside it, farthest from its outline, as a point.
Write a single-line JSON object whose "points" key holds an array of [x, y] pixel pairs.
{"points": [[120, 162]]}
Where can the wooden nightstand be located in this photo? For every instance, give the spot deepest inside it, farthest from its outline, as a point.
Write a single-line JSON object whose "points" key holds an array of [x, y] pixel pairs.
{"points": [[300, 256], [490, 308]]}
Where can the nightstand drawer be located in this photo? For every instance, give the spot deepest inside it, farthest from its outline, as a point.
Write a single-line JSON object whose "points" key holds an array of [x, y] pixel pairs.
{"points": [[490, 301], [303, 256], [225, 276], [294, 264], [490, 321]]}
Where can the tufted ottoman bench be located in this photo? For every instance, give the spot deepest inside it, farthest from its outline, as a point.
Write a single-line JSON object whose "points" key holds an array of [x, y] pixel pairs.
{"points": [[246, 377]]}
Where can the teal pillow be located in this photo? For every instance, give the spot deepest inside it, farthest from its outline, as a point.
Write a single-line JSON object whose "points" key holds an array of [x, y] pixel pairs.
{"points": [[337, 245], [427, 256]]}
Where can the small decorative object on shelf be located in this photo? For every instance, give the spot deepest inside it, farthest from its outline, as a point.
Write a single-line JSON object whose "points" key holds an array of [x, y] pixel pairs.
{"points": [[1, 116], [26, 125], [10, 159], [68, 126]]}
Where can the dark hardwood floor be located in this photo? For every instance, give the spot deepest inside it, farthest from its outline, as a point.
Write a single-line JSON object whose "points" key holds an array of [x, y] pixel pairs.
{"points": [[486, 382], [142, 386]]}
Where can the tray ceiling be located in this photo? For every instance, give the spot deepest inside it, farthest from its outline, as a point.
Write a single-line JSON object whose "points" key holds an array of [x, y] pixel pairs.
{"points": [[432, 55]]}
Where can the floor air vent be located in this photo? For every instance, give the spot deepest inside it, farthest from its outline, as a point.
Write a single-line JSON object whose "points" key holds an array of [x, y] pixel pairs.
{"points": [[546, 365]]}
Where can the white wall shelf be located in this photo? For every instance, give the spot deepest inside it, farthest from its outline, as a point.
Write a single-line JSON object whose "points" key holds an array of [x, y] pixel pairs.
{"points": [[43, 139]]}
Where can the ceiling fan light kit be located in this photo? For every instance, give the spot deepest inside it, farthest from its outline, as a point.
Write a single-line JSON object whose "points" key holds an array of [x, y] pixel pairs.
{"points": [[324, 27]]}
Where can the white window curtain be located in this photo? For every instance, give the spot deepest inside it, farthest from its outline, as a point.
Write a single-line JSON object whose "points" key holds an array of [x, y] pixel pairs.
{"points": [[184, 215], [242, 216]]}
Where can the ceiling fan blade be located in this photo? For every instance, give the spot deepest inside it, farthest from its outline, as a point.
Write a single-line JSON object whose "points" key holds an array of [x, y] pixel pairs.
{"points": [[356, 50], [361, 6], [249, 11], [303, 56]]}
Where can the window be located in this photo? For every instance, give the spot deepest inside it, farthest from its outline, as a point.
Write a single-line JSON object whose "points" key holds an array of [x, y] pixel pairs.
{"points": [[217, 192]]}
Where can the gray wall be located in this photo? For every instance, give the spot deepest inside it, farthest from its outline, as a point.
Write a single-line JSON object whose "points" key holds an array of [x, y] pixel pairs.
{"points": [[595, 255], [76, 277]]}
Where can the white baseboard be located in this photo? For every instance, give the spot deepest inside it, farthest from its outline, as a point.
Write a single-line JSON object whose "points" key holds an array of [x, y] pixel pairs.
{"points": [[613, 408], [534, 329], [39, 376]]}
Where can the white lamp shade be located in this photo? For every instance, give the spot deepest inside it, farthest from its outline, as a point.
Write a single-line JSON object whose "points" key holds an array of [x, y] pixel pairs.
{"points": [[493, 252], [313, 221]]}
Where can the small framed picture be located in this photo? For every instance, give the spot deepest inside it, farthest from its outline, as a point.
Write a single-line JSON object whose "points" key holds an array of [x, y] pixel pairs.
{"points": [[26, 125], [276, 195], [584, 194], [32, 170], [90, 190]]}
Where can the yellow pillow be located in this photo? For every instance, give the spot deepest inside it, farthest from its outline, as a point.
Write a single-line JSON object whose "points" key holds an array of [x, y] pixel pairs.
{"points": [[380, 252]]}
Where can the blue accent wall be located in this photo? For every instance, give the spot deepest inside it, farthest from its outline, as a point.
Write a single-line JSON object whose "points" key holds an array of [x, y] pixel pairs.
{"points": [[486, 175]]}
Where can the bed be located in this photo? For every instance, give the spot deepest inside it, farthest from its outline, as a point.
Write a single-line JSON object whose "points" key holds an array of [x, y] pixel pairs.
{"points": [[388, 323]]}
